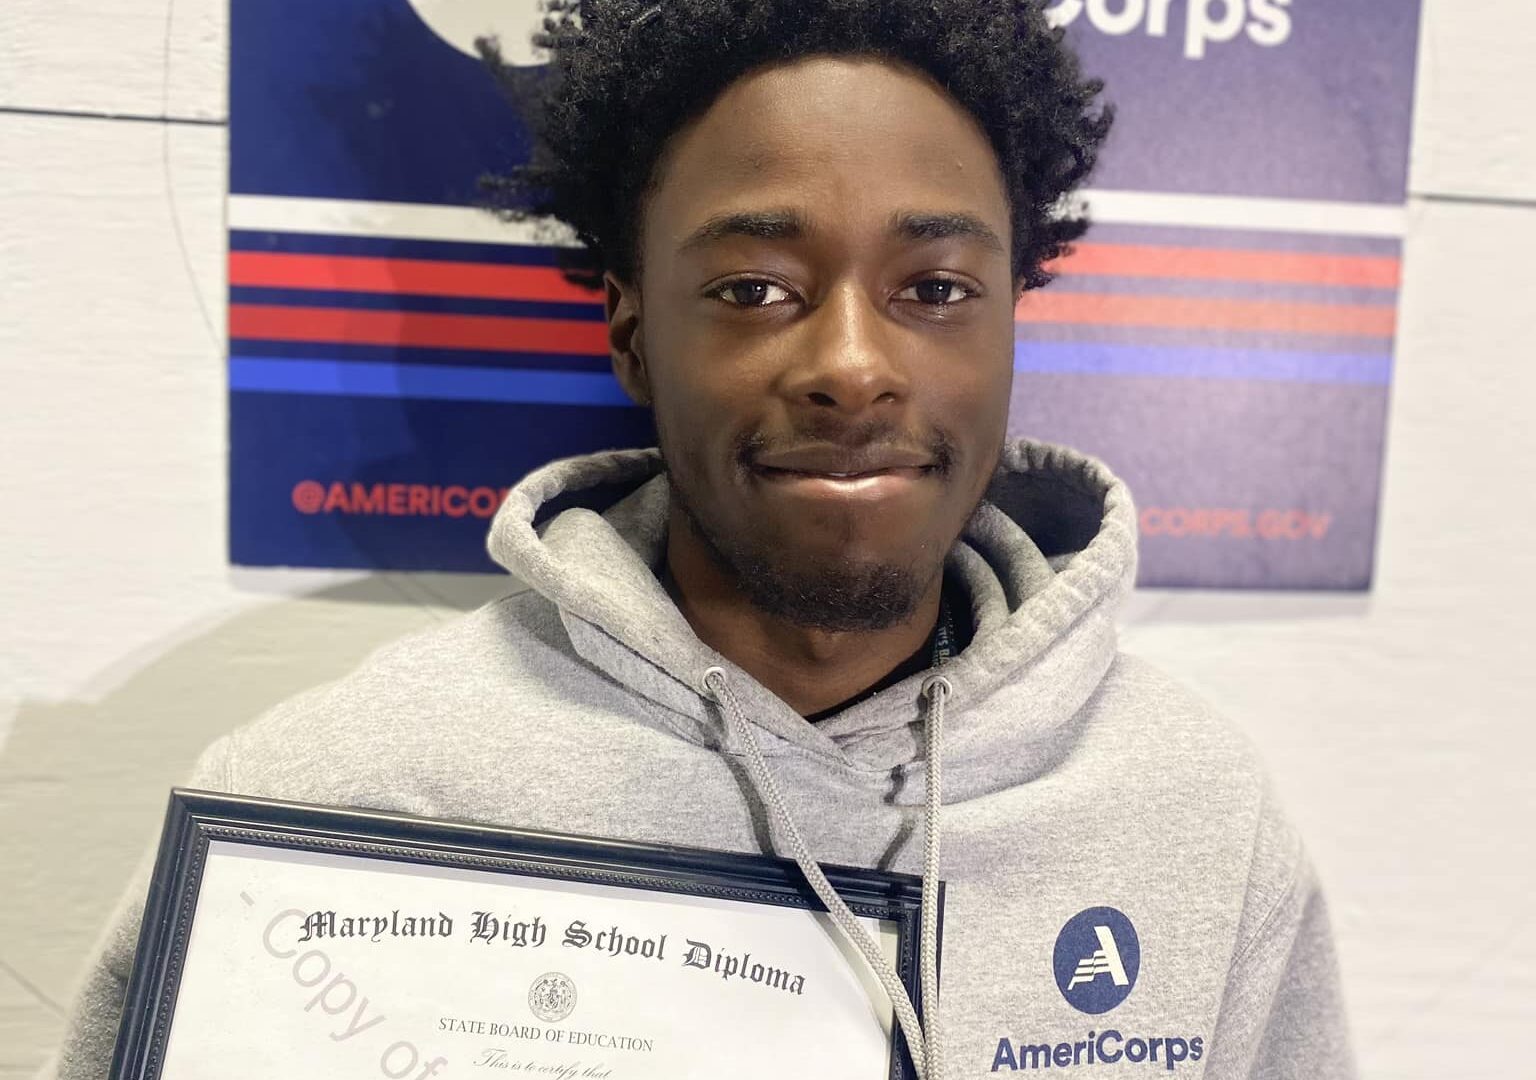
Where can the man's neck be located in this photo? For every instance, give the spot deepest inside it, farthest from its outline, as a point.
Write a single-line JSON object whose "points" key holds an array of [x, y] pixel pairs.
{"points": [[812, 670]]}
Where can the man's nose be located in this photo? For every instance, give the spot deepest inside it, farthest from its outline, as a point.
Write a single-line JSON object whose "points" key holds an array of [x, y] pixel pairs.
{"points": [[846, 362]]}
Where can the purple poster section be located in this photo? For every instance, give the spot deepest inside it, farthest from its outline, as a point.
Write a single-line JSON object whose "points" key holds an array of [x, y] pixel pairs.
{"points": [[1223, 338]]}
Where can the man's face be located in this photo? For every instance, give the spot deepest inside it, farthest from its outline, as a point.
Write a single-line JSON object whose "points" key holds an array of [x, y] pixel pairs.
{"points": [[824, 328]]}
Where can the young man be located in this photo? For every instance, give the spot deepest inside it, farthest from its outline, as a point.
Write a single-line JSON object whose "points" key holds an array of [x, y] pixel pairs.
{"points": [[837, 583]]}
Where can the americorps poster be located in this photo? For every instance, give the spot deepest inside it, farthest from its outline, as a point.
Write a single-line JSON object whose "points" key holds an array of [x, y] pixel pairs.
{"points": [[1223, 338]]}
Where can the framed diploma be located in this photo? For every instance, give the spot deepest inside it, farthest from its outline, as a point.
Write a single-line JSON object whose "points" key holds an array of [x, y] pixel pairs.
{"points": [[309, 942]]}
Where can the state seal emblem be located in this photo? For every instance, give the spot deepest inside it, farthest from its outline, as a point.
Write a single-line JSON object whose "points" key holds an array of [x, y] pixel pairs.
{"points": [[552, 997]]}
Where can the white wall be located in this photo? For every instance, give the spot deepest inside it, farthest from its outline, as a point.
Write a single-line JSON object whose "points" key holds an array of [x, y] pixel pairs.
{"points": [[1397, 724]]}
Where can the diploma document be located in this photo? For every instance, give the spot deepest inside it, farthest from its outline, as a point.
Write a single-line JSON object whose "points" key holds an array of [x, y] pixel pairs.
{"points": [[297, 941]]}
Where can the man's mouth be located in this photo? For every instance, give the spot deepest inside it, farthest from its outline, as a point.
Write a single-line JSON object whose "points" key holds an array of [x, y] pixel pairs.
{"points": [[827, 471], [838, 462], [828, 475], [864, 485]]}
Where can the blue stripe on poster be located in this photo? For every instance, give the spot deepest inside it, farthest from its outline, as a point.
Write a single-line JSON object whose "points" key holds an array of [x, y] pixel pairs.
{"points": [[361, 379], [1185, 338], [1094, 358], [262, 374], [266, 349], [1223, 289]]}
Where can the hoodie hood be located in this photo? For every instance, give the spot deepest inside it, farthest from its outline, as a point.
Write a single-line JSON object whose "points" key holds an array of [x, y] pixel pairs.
{"points": [[1046, 560]]}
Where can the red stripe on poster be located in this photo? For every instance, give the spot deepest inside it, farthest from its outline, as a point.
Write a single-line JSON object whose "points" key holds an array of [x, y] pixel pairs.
{"points": [[490, 333], [1110, 310], [416, 277], [1302, 268]]}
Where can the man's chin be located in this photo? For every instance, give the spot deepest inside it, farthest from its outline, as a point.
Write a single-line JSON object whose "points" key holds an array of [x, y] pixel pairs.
{"points": [[821, 575], [834, 594]]}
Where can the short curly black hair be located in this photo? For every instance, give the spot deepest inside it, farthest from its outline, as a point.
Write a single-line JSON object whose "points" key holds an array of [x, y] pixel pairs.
{"points": [[627, 74]]}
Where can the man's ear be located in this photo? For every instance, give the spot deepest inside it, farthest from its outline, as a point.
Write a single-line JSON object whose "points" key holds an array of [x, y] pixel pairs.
{"points": [[626, 345]]}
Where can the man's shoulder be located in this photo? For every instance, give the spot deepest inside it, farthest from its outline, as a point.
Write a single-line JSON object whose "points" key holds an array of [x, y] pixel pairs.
{"points": [[438, 684], [1145, 708], [1171, 759], [496, 642], [1183, 763], [497, 638]]}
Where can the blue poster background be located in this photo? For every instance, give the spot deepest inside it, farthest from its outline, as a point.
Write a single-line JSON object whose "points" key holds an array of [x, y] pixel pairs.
{"points": [[394, 369]]}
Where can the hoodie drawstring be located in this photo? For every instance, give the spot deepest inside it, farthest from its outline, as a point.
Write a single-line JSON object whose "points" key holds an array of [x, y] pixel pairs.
{"points": [[924, 1045], [936, 688]]}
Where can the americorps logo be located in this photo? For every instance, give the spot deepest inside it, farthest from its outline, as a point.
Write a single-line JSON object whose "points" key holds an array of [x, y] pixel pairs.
{"points": [[1098, 1048], [1098, 957], [1205, 22]]}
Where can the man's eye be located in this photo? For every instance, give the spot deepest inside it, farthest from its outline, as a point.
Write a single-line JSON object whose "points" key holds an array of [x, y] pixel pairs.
{"points": [[751, 293], [936, 291]]}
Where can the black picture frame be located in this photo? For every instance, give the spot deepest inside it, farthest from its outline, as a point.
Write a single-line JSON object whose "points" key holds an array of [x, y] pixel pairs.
{"points": [[196, 818]]}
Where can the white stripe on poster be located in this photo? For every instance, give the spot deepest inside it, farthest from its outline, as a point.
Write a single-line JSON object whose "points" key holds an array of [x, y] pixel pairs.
{"points": [[428, 221], [1234, 212], [399, 221]]}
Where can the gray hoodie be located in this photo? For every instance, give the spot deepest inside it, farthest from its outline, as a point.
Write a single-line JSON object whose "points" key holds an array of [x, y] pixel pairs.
{"points": [[1123, 896]]}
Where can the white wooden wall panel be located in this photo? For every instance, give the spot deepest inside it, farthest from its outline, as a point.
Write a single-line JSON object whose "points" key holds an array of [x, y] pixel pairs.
{"points": [[1477, 91], [112, 377], [135, 57]]}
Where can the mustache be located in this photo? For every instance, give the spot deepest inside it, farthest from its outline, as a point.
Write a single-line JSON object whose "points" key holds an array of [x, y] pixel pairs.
{"points": [[870, 437]]}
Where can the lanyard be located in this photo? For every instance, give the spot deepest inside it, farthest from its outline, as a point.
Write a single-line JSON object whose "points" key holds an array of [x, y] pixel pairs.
{"points": [[943, 634]]}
